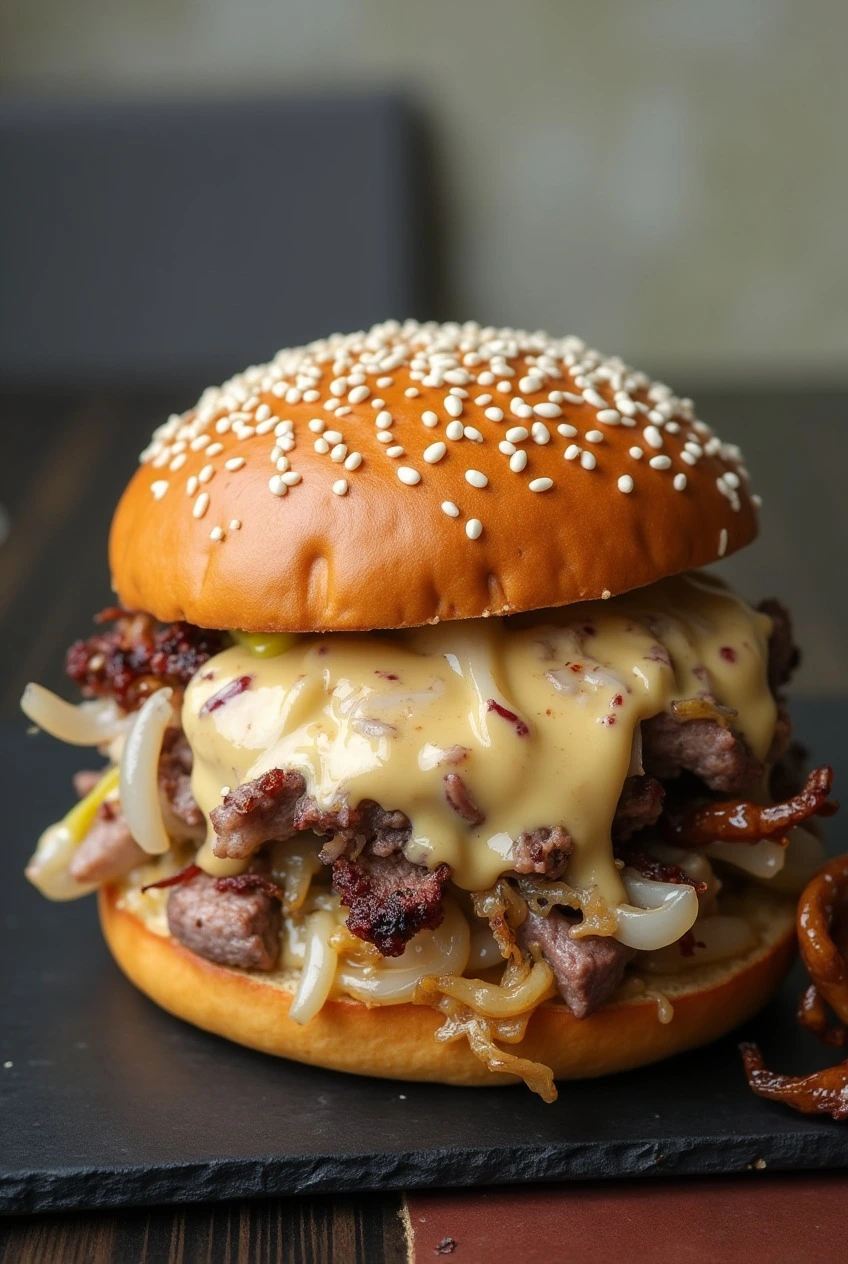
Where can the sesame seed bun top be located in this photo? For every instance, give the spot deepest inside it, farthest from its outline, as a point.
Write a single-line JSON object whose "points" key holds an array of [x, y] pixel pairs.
{"points": [[421, 472]]}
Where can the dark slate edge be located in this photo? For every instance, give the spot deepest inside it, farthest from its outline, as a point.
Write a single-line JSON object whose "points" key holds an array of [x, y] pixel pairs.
{"points": [[84, 1189]]}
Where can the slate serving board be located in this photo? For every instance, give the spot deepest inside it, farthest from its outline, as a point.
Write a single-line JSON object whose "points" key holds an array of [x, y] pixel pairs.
{"points": [[107, 1101]]}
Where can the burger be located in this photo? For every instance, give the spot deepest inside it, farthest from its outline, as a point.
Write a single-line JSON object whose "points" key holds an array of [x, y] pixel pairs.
{"points": [[433, 752]]}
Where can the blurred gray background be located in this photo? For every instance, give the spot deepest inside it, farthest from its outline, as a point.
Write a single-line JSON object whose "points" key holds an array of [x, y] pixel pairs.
{"points": [[668, 179]]}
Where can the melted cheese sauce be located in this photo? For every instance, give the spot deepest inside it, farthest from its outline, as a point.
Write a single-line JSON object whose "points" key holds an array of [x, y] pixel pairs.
{"points": [[539, 715]]}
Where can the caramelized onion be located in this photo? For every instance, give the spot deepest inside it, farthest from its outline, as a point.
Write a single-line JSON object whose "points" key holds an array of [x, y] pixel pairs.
{"points": [[481, 1034], [493, 1000], [84, 724], [139, 785]]}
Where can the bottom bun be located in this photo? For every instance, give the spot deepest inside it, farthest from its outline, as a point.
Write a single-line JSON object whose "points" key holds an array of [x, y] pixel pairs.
{"points": [[397, 1041]]}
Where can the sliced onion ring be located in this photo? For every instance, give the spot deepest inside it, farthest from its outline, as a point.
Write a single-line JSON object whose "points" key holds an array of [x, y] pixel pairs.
{"points": [[658, 913], [86, 724], [764, 859], [319, 967], [139, 784]]}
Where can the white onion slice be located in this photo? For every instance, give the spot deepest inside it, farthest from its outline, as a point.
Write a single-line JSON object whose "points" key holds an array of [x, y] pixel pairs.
{"points": [[803, 856], [658, 913], [764, 859], [441, 951], [48, 869], [484, 952], [319, 967], [86, 724], [717, 938], [139, 784]]}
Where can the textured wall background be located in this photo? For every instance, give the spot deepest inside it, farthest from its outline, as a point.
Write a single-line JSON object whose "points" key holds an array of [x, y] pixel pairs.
{"points": [[667, 177]]}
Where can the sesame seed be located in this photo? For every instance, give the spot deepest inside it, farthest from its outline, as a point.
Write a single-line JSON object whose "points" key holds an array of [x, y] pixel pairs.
{"points": [[540, 484], [609, 416], [430, 419], [384, 436], [200, 442], [395, 451], [340, 487], [383, 420], [572, 452], [434, 453], [594, 436], [178, 462], [722, 542], [309, 397], [679, 483], [547, 410], [506, 447], [757, 501], [291, 478], [518, 461], [333, 436], [192, 485], [637, 454], [411, 392], [353, 461], [567, 431], [316, 425], [503, 387], [474, 528], [383, 382], [377, 404], [339, 452], [482, 401], [283, 464], [159, 487], [277, 485], [358, 394], [476, 478], [235, 462], [540, 432], [450, 509], [625, 484], [530, 383], [517, 434], [688, 458], [453, 406], [217, 533], [520, 409], [454, 430], [235, 524], [588, 460], [214, 449], [592, 397], [652, 436], [338, 386], [572, 398], [206, 474], [493, 414], [321, 445], [200, 505], [408, 476], [660, 462]]}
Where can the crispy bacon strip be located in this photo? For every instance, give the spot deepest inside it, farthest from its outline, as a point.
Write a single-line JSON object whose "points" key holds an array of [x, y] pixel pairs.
{"points": [[184, 875], [822, 1093], [738, 821]]}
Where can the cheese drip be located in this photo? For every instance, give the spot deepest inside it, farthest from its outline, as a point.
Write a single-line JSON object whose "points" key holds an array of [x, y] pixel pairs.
{"points": [[538, 714]]}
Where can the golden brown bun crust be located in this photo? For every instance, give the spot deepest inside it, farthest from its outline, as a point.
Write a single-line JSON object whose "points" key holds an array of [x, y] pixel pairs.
{"points": [[385, 554], [396, 1041]]}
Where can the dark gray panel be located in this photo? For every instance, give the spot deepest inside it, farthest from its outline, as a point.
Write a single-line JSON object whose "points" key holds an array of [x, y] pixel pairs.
{"points": [[182, 237]]}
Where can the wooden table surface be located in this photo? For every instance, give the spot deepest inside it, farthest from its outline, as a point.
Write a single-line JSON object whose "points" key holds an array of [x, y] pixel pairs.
{"points": [[64, 459]]}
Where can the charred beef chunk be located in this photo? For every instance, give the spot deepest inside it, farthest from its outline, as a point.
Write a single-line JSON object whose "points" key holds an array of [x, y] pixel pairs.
{"points": [[641, 804], [784, 655], [587, 971], [256, 813], [276, 806], [544, 851], [390, 899], [719, 756], [108, 850], [183, 818], [137, 656], [233, 928]]}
